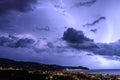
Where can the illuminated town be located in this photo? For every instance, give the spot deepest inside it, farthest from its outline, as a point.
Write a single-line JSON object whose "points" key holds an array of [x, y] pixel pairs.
{"points": [[19, 74]]}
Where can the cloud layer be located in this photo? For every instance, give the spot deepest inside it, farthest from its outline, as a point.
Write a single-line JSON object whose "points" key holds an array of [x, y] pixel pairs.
{"points": [[17, 5], [14, 42], [86, 3], [76, 39], [28, 33], [74, 36]]}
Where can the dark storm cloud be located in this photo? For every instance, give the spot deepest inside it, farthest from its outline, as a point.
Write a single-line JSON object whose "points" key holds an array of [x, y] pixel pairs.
{"points": [[18, 5], [84, 46], [9, 10], [24, 42], [74, 36], [4, 41], [77, 40], [108, 49], [95, 22], [14, 42], [86, 3]]}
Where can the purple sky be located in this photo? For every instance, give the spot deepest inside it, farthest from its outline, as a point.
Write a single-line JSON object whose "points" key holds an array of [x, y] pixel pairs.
{"points": [[64, 32]]}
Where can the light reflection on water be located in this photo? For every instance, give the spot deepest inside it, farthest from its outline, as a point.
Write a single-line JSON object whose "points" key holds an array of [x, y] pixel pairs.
{"points": [[100, 71]]}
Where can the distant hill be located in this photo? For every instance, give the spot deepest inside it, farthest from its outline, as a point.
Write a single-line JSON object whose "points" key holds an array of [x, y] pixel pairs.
{"points": [[6, 63]]}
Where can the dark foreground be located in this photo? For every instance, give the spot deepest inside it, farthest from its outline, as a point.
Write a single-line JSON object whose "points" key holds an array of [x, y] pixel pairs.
{"points": [[56, 75]]}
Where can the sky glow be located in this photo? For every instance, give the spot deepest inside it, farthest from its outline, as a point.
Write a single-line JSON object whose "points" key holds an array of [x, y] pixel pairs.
{"points": [[54, 32]]}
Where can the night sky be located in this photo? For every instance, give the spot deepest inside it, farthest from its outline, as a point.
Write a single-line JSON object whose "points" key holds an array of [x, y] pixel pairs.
{"points": [[64, 32]]}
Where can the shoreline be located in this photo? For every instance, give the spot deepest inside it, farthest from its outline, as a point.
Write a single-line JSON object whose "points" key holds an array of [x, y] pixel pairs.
{"points": [[99, 71]]}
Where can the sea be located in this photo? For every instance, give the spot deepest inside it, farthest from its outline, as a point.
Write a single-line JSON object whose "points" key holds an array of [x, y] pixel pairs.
{"points": [[100, 71]]}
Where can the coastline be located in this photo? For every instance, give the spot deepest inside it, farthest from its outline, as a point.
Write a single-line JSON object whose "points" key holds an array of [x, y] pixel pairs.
{"points": [[98, 71]]}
